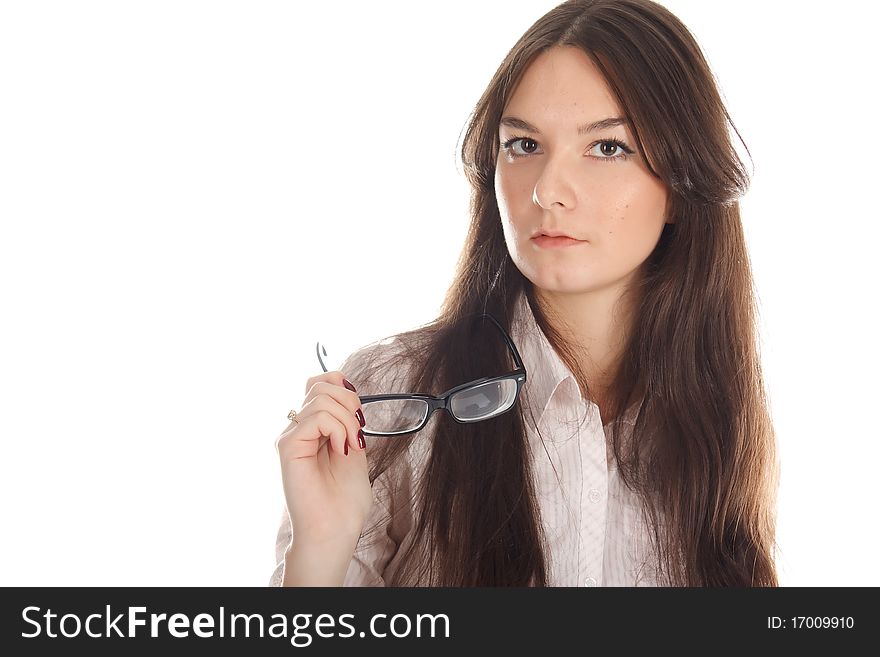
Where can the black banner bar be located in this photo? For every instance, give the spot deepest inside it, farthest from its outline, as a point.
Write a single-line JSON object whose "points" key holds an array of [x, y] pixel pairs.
{"points": [[430, 621]]}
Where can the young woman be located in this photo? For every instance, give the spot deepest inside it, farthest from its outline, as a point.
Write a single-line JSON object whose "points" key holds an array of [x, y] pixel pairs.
{"points": [[637, 447]]}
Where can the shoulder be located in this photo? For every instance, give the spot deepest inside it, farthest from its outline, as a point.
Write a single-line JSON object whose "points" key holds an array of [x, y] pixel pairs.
{"points": [[386, 365]]}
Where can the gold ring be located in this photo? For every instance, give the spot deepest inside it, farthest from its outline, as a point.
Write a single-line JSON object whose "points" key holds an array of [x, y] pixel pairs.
{"points": [[292, 416]]}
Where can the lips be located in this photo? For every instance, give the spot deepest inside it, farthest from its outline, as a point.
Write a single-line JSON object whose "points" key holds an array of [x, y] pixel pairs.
{"points": [[534, 237], [553, 233], [547, 242]]}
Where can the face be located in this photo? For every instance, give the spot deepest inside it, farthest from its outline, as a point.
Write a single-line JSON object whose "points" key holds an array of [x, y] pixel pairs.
{"points": [[583, 185]]}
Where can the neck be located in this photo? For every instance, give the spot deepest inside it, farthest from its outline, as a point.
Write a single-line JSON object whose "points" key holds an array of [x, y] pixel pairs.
{"points": [[598, 323]]}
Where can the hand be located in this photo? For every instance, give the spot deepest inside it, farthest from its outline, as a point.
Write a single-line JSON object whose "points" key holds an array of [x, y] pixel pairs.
{"points": [[327, 491]]}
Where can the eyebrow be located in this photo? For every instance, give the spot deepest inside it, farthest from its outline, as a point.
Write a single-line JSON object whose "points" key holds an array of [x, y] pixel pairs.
{"points": [[602, 124]]}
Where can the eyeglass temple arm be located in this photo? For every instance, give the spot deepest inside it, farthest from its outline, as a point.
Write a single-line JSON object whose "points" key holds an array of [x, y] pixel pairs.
{"points": [[511, 346], [321, 360]]}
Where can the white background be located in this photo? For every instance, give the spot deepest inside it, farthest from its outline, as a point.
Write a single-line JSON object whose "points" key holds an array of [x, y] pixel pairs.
{"points": [[193, 193]]}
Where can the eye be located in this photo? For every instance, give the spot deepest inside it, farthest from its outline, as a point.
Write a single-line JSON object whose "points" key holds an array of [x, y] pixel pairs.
{"points": [[507, 146], [618, 148], [607, 148]]}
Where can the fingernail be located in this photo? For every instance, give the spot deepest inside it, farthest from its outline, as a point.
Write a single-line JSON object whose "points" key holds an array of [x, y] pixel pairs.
{"points": [[360, 417], [361, 441], [348, 385], [346, 449]]}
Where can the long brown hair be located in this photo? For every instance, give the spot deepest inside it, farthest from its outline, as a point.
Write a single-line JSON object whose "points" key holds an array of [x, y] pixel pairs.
{"points": [[701, 454]]}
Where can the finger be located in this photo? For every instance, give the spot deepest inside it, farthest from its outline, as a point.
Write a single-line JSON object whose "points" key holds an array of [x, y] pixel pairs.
{"points": [[333, 384], [313, 431], [338, 390], [334, 376], [328, 403], [347, 399]]}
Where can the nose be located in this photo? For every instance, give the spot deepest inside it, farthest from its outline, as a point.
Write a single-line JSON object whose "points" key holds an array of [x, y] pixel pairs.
{"points": [[554, 186]]}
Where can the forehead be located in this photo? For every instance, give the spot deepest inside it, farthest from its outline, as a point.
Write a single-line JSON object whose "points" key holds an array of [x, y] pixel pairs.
{"points": [[562, 81]]}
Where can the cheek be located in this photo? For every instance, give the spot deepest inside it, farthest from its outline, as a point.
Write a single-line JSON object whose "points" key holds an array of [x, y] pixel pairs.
{"points": [[635, 222], [635, 203], [503, 189], [513, 195]]}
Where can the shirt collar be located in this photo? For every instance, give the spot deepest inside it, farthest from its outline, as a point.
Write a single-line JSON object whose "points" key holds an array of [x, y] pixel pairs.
{"points": [[545, 372]]}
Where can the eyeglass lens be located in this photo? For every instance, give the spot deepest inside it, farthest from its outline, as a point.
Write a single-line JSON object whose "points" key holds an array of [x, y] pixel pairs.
{"points": [[473, 404]]}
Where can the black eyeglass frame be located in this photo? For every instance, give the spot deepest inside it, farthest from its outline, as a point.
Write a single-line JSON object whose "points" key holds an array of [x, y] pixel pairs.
{"points": [[438, 402]]}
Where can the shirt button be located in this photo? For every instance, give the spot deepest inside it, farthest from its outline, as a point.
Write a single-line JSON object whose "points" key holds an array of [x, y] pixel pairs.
{"points": [[589, 582], [595, 495]]}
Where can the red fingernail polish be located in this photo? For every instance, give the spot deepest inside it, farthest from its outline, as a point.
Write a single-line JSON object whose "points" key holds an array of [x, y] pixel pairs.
{"points": [[346, 449], [361, 441], [348, 385], [360, 417]]}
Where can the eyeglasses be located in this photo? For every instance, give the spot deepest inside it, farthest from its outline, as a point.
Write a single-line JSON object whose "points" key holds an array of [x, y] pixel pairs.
{"points": [[474, 401]]}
